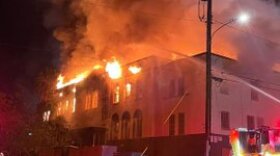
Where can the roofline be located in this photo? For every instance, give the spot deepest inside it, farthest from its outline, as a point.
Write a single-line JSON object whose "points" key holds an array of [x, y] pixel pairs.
{"points": [[215, 54]]}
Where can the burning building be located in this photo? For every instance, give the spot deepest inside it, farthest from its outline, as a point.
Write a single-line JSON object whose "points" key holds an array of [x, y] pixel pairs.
{"points": [[154, 104], [158, 105]]}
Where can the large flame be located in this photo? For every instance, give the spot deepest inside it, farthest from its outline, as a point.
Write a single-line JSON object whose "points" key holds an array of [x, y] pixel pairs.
{"points": [[134, 69], [114, 69], [78, 78], [61, 84]]}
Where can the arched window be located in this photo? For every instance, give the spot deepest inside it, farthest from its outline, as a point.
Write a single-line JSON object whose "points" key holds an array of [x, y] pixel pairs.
{"points": [[137, 124], [125, 125], [115, 127]]}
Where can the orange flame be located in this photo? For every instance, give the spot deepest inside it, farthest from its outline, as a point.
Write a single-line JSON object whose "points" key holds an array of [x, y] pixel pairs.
{"points": [[80, 77], [114, 69], [134, 69], [97, 67], [60, 84]]}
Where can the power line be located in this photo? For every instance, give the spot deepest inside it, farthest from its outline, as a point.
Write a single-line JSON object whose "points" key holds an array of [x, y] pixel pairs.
{"points": [[247, 32]]}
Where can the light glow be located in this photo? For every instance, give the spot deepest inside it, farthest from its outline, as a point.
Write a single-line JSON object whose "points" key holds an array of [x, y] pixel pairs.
{"points": [[60, 94], [243, 18], [116, 96], [74, 90], [114, 69], [134, 69], [128, 89], [97, 67], [74, 106]]}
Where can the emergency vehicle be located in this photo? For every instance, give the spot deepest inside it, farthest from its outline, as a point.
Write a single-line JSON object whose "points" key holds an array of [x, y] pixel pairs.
{"points": [[256, 142]]}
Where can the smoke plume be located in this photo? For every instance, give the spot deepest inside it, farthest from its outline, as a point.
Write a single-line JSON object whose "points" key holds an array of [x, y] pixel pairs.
{"points": [[93, 30]]}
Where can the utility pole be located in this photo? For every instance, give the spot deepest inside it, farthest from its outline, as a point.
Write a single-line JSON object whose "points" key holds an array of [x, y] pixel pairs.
{"points": [[208, 77]]}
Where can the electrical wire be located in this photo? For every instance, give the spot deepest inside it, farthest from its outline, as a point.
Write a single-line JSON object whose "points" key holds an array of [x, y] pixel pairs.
{"points": [[247, 32]]}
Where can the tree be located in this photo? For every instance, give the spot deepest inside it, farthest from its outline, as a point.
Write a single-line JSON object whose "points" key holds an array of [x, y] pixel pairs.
{"points": [[34, 134], [10, 119], [37, 136], [46, 88]]}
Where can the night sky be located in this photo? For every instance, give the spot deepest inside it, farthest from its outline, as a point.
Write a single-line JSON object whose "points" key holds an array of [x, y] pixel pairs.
{"points": [[27, 47]]}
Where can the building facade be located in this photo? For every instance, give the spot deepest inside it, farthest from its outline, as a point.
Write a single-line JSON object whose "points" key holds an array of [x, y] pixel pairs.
{"points": [[161, 108]]}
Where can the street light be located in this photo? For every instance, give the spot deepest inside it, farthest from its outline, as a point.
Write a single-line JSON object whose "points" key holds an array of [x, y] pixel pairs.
{"points": [[242, 18]]}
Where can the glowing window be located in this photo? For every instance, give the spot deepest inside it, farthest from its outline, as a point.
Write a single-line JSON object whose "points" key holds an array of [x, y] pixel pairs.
{"points": [[66, 105], [88, 102], [46, 115], [116, 95], [60, 94], [74, 90], [94, 99], [128, 89], [74, 105]]}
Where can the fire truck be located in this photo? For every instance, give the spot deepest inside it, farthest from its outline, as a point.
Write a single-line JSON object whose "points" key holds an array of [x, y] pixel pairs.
{"points": [[255, 142]]}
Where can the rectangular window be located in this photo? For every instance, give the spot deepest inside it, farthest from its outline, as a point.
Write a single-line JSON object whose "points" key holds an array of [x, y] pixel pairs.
{"points": [[94, 99], [87, 102], [254, 95], [181, 124], [172, 125], [116, 95], [128, 89], [250, 122], [66, 106], [180, 87], [74, 105], [59, 109], [260, 122], [46, 116], [225, 125]]}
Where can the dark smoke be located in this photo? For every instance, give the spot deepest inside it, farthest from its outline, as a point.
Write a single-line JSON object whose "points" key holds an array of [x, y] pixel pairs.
{"points": [[92, 30]]}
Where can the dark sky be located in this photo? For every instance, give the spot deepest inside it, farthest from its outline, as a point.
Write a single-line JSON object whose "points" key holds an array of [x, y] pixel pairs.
{"points": [[26, 46]]}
